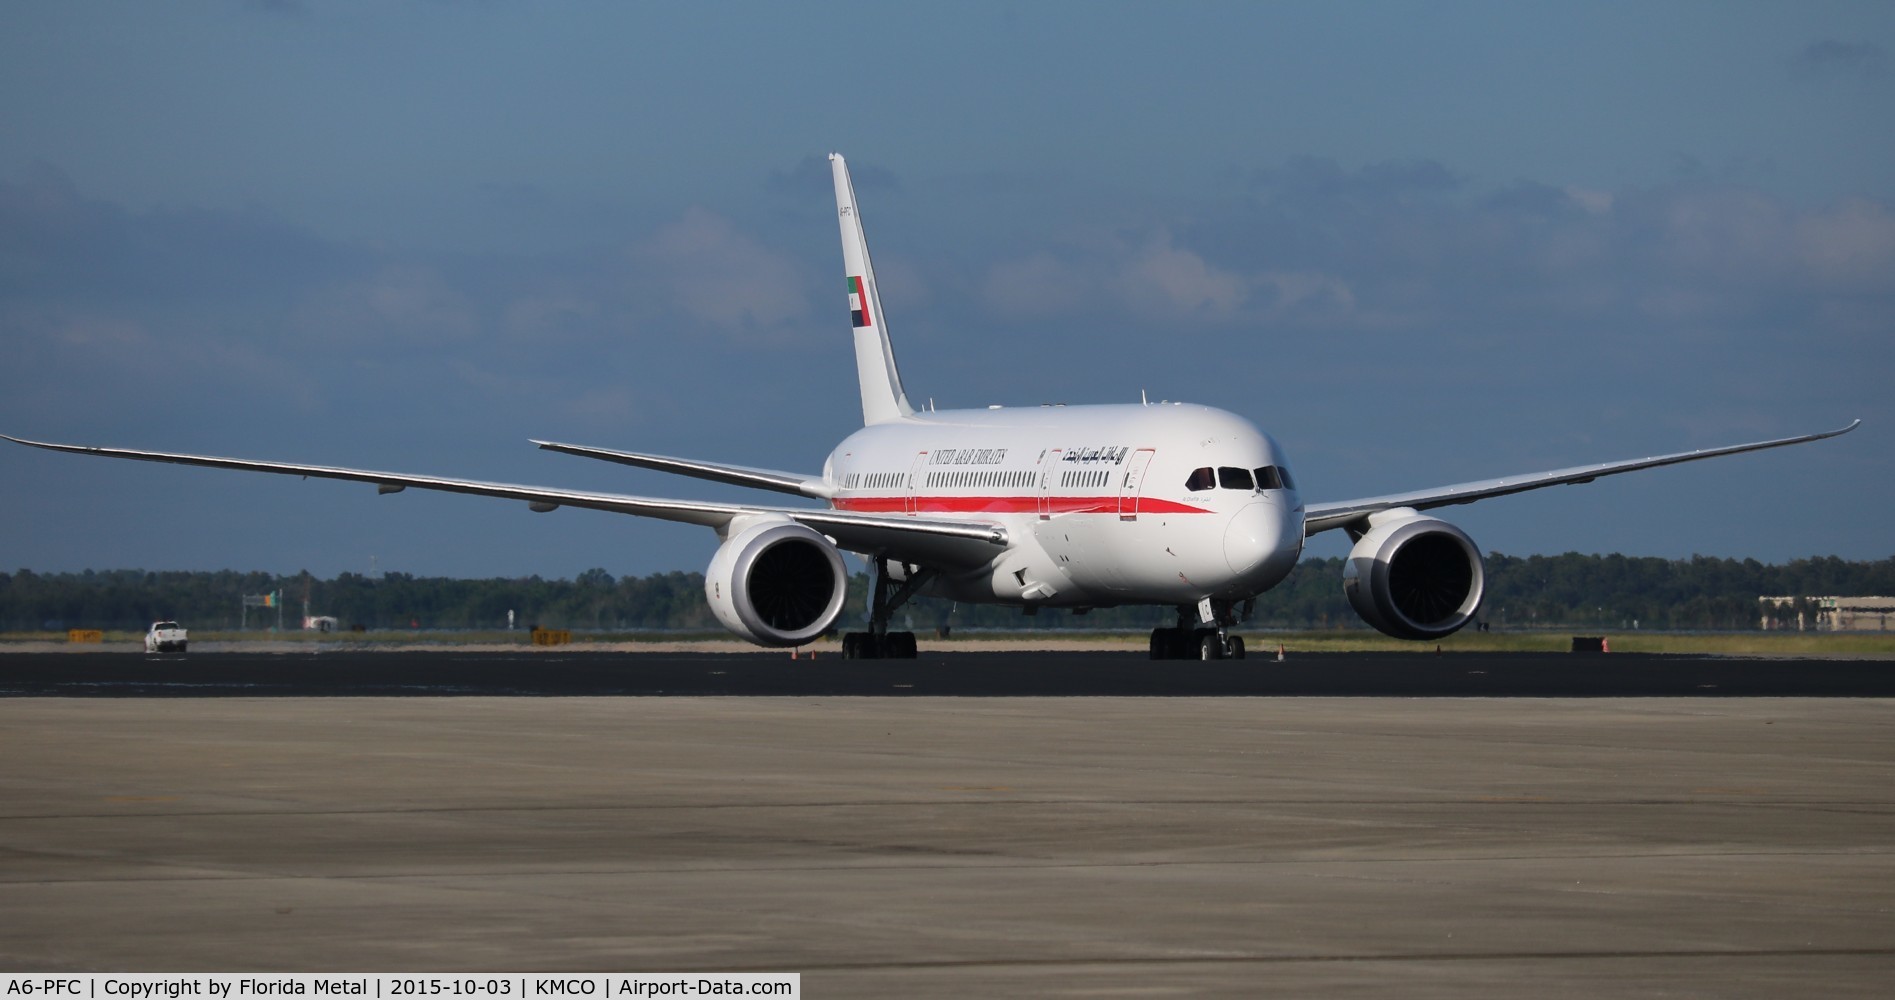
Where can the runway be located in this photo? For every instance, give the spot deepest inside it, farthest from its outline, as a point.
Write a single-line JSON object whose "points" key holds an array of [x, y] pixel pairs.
{"points": [[1012, 674], [918, 845]]}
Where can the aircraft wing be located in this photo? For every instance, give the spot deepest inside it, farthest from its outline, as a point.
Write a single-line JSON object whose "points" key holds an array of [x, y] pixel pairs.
{"points": [[764, 479], [1324, 516], [911, 539]]}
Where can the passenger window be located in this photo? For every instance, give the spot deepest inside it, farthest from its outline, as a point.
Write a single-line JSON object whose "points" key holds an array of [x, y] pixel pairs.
{"points": [[1236, 479], [1201, 479]]}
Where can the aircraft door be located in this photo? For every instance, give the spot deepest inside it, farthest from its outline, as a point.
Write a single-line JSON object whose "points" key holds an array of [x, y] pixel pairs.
{"points": [[1049, 470], [1133, 485], [917, 476]]}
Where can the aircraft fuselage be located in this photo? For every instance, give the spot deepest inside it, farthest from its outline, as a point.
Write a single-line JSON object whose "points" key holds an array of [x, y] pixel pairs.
{"points": [[1107, 504]]}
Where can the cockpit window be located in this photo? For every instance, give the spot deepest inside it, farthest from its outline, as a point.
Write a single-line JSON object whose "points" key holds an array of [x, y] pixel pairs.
{"points": [[1274, 477], [1235, 479], [1201, 479]]}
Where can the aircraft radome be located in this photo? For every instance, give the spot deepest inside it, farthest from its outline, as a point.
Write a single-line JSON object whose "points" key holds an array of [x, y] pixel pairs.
{"points": [[1075, 507]]}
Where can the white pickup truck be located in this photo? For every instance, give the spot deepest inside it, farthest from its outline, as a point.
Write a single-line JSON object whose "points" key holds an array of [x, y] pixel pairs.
{"points": [[165, 637]]}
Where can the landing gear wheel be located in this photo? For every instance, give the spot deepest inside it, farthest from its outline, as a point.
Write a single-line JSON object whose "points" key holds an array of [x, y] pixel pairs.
{"points": [[901, 646], [1236, 647], [1209, 648]]}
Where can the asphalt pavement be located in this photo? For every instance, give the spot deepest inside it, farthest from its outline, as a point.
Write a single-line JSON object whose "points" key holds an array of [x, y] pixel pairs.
{"points": [[985, 674], [1065, 824]]}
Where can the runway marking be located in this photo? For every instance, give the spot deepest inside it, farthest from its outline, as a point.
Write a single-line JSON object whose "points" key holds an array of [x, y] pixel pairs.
{"points": [[141, 798]]}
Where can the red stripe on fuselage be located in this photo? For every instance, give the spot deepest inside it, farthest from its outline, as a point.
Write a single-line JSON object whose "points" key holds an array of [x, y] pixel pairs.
{"points": [[1009, 505]]}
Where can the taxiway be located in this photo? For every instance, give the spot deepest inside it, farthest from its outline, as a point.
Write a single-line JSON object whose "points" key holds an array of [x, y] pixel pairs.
{"points": [[917, 845]]}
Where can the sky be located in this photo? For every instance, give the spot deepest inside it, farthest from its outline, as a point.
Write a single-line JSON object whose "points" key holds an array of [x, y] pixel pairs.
{"points": [[1418, 243]]}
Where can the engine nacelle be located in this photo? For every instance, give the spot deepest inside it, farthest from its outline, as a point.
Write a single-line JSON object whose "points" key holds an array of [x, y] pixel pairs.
{"points": [[776, 583], [1413, 576]]}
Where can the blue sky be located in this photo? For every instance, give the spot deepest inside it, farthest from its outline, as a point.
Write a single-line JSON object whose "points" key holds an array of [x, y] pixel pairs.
{"points": [[1419, 243]]}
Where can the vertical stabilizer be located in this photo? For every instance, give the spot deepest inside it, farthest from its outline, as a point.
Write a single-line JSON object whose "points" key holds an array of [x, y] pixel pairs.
{"points": [[882, 397]]}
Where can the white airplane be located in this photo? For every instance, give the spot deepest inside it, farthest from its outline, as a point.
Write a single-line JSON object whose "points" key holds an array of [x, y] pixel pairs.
{"points": [[1074, 507]]}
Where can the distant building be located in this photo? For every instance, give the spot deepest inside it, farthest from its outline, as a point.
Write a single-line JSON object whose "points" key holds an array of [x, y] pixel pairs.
{"points": [[1833, 614]]}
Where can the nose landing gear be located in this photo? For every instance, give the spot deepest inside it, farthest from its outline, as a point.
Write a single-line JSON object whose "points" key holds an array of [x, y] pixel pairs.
{"points": [[1195, 639]]}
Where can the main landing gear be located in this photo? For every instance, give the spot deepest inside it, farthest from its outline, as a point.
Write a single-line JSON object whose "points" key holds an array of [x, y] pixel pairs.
{"points": [[1196, 638], [878, 643], [887, 646]]}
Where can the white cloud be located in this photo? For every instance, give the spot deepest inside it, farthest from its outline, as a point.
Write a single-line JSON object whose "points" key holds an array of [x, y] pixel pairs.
{"points": [[1729, 233], [404, 302], [1039, 287], [1167, 281], [1162, 283], [724, 278], [1308, 289], [1595, 202], [550, 315], [124, 340], [1850, 247]]}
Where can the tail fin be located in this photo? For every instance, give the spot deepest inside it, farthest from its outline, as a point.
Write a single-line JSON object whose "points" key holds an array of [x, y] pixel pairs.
{"points": [[882, 397]]}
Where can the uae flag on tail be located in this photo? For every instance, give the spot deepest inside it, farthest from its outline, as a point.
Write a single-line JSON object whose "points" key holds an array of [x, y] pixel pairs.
{"points": [[858, 303]]}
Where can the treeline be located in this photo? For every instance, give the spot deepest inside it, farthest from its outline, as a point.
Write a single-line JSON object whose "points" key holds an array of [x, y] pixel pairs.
{"points": [[132, 599], [1607, 592]]}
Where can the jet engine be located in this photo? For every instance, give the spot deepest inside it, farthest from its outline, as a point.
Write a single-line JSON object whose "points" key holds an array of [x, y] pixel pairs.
{"points": [[776, 583], [1413, 576]]}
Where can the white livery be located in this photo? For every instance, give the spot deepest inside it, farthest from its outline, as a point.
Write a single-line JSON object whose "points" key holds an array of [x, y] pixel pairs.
{"points": [[1075, 507]]}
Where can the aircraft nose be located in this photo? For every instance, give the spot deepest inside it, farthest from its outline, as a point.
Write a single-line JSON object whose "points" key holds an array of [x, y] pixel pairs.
{"points": [[1255, 536]]}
